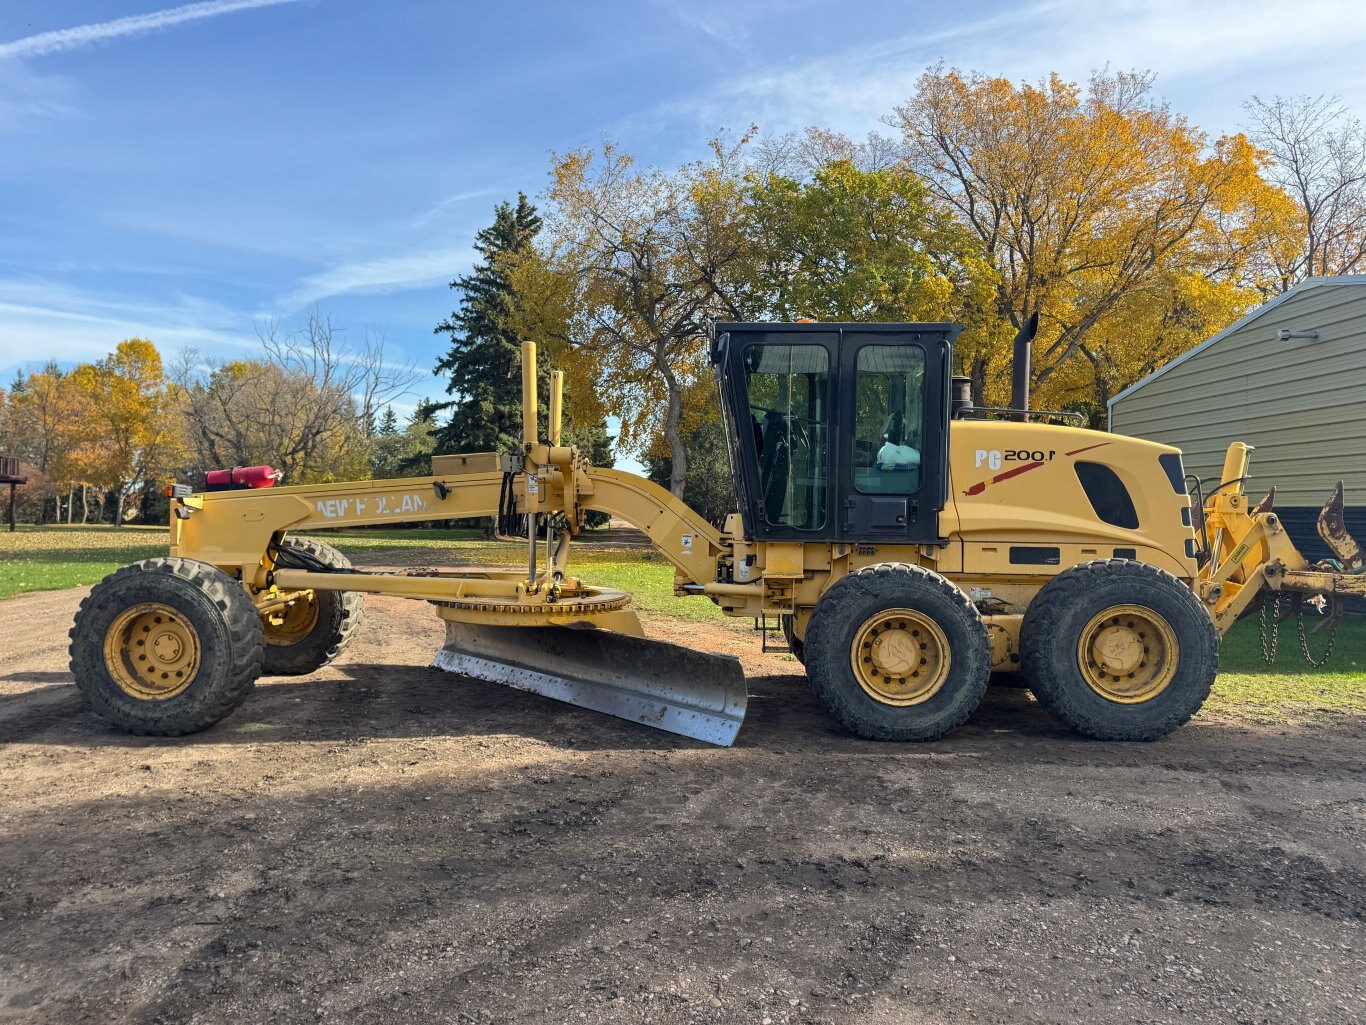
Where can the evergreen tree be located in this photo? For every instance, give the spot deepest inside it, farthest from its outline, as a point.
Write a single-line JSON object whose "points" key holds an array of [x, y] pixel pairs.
{"points": [[405, 451], [388, 423], [484, 361]]}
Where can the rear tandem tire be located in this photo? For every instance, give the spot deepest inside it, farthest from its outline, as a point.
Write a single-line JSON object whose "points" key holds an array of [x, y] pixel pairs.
{"points": [[166, 647], [1119, 650], [328, 621], [897, 652]]}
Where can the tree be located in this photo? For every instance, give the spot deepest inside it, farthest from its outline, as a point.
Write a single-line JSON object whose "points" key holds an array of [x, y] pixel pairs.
{"points": [[710, 488], [849, 244], [406, 452], [317, 352], [639, 260], [254, 412], [40, 424], [1319, 158], [800, 155], [484, 360], [388, 423], [1084, 201], [308, 408], [129, 435]]}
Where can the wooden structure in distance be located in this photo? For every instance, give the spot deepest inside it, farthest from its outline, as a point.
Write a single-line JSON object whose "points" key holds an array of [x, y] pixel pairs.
{"points": [[10, 474]]}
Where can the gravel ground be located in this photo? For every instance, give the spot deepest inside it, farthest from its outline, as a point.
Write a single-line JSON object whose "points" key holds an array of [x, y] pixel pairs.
{"points": [[385, 843]]}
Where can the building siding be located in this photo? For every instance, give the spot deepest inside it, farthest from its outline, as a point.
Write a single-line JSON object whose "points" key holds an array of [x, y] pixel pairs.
{"points": [[1300, 403]]}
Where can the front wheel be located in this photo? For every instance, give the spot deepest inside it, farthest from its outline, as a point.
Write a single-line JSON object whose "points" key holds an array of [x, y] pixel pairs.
{"points": [[1119, 650], [166, 647], [314, 628], [897, 652]]}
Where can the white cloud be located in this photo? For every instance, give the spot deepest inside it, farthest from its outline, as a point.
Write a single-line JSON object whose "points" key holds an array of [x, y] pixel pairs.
{"points": [[25, 96], [1189, 45], [720, 25], [391, 274], [138, 24], [451, 201], [40, 321]]}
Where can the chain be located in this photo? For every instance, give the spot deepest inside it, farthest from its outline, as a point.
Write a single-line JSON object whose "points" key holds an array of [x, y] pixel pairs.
{"points": [[1269, 652], [1269, 648], [1304, 642]]}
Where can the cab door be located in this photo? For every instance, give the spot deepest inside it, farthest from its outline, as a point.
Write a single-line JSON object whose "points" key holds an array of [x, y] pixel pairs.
{"points": [[893, 451]]}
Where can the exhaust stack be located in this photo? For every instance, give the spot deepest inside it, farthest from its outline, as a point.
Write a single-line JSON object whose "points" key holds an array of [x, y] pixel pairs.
{"points": [[1021, 368]]}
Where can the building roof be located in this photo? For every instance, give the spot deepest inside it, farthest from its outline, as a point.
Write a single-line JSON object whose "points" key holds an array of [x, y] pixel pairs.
{"points": [[1304, 286]]}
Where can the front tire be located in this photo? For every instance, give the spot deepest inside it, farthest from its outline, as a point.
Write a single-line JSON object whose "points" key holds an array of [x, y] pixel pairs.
{"points": [[314, 630], [897, 652], [1119, 650], [166, 647]]}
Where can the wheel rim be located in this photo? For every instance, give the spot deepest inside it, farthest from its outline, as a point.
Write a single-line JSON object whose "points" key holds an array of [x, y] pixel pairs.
{"points": [[151, 652], [293, 622], [901, 657], [1128, 654]]}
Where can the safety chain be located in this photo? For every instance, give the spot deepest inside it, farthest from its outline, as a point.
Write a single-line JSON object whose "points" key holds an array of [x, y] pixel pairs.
{"points": [[1304, 643], [1269, 650]]}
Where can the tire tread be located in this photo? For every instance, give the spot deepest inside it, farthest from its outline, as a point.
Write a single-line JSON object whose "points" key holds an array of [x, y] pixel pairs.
{"points": [[828, 635], [195, 709], [1046, 652], [347, 609]]}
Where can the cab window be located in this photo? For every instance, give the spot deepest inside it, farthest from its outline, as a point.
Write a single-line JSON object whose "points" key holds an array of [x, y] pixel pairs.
{"points": [[889, 425], [788, 390]]}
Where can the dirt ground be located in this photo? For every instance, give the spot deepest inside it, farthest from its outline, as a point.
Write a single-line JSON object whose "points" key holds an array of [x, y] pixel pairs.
{"points": [[385, 843]]}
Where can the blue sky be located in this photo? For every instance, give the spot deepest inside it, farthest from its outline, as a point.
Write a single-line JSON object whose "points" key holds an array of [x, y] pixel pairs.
{"points": [[182, 173]]}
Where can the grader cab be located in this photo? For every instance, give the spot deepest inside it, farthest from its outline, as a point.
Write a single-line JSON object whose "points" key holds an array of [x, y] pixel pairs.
{"points": [[907, 545]]}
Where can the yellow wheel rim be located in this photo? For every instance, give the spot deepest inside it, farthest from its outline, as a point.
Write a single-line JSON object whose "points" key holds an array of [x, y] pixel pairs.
{"points": [[1128, 654], [151, 652], [901, 657], [292, 622]]}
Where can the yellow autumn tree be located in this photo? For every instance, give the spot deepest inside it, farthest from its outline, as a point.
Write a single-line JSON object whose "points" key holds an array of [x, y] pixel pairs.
{"points": [[1099, 208], [47, 427], [129, 432]]}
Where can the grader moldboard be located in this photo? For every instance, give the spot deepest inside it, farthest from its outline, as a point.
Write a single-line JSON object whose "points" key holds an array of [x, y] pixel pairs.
{"points": [[906, 545]]}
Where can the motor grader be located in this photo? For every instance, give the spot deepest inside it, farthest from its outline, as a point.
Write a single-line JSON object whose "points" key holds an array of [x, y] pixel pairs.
{"points": [[906, 544]]}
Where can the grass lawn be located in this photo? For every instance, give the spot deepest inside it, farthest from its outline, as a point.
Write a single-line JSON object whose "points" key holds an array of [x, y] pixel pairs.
{"points": [[1246, 681], [50, 558]]}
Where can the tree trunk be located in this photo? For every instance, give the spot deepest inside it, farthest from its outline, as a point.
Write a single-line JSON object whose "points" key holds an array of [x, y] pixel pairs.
{"points": [[85, 504], [118, 510], [70, 506], [677, 453], [978, 373]]}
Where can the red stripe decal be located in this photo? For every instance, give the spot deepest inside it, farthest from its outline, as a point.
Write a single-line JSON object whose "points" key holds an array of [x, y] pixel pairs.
{"points": [[1015, 472], [981, 485]]}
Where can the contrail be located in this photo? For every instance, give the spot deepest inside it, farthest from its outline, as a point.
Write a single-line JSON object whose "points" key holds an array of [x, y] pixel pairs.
{"points": [[83, 35]]}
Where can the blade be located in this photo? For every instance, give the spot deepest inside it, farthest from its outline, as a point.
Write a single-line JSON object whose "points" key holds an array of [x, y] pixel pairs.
{"points": [[1333, 530], [694, 693]]}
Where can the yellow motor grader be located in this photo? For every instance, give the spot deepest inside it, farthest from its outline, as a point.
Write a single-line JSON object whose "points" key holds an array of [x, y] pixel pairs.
{"points": [[906, 544]]}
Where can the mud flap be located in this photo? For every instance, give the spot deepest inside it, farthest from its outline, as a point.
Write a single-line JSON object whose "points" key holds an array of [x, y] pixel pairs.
{"points": [[694, 693]]}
